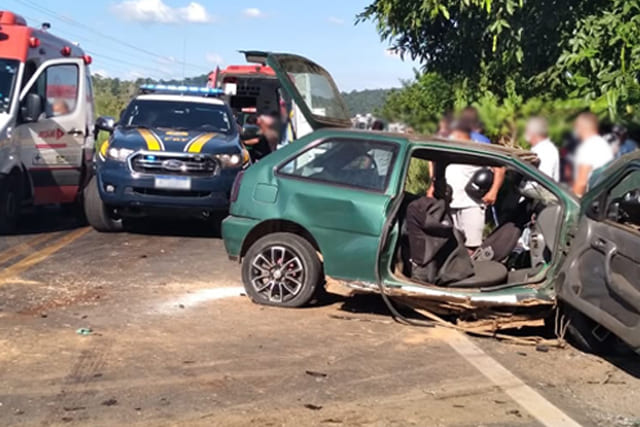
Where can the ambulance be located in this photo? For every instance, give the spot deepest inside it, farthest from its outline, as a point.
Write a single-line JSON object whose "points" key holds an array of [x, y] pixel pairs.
{"points": [[46, 119]]}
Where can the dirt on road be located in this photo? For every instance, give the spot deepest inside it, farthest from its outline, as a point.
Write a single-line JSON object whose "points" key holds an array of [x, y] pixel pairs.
{"points": [[170, 340]]}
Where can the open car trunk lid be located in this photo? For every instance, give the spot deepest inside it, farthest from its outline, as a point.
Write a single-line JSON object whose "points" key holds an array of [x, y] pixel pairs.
{"points": [[309, 85]]}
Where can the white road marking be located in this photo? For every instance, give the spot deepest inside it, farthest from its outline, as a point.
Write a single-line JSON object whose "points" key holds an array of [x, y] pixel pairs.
{"points": [[198, 297], [529, 399]]}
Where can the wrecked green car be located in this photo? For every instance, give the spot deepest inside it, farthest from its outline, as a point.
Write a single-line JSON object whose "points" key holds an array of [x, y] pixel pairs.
{"points": [[331, 205]]}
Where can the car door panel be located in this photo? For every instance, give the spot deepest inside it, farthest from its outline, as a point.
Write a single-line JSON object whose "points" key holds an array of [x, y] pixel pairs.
{"points": [[601, 276], [348, 231], [339, 190]]}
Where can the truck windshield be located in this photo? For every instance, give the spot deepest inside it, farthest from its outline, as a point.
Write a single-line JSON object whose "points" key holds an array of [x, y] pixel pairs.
{"points": [[178, 115], [8, 73]]}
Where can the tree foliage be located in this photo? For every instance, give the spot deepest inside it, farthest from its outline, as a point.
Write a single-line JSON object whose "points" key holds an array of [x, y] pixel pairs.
{"points": [[601, 61], [420, 103], [366, 101], [515, 57], [481, 39]]}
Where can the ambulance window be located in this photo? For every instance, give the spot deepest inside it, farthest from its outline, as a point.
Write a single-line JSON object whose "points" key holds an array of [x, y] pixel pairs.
{"points": [[58, 86]]}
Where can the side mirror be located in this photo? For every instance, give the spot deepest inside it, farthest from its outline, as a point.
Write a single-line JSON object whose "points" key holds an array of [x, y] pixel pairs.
{"points": [[31, 108], [630, 205], [249, 132], [105, 123]]}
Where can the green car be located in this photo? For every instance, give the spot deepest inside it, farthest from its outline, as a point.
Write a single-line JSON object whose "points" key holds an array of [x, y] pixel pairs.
{"points": [[331, 205]]}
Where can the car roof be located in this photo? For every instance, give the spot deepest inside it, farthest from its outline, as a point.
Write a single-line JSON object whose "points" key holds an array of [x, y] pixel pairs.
{"points": [[501, 150], [179, 98]]}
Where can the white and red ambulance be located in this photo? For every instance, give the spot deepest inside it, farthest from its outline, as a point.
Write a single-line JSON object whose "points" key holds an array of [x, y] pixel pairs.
{"points": [[46, 118]]}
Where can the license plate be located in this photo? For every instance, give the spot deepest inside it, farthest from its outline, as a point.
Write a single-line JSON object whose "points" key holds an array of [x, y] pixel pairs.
{"points": [[173, 182]]}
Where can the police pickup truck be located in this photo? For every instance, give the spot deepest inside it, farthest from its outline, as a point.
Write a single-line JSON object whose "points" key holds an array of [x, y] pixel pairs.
{"points": [[174, 152]]}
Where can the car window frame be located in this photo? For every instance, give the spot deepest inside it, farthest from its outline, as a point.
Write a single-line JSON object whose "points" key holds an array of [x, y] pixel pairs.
{"points": [[392, 164], [605, 202]]}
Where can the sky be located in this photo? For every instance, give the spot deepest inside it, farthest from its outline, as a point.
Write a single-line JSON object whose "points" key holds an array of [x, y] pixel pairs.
{"points": [[174, 38]]}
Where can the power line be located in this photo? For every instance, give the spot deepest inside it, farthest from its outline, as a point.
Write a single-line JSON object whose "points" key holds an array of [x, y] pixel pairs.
{"points": [[100, 56], [152, 75], [69, 21]]}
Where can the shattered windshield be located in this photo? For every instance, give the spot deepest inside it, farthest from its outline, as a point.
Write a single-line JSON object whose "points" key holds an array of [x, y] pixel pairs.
{"points": [[8, 73], [178, 115]]}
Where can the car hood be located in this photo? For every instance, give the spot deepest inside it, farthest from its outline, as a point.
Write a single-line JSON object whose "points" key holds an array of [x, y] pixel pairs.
{"points": [[153, 139]]}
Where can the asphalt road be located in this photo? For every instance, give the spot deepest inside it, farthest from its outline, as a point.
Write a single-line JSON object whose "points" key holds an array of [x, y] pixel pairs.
{"points": [[173, 342]]}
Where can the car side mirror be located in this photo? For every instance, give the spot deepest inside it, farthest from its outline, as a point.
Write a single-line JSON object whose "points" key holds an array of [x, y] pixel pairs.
{"points": [[249, 132], [105, 123], [31, 108], [630, 205]]}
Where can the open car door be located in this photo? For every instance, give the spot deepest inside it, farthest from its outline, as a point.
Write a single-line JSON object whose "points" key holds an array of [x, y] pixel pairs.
{"points": [[601, 276], [309, 85]]}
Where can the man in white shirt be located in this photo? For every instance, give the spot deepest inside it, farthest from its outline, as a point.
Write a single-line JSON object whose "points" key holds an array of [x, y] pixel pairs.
{"points": [[468, 215], [592, 153], [537, 134]]}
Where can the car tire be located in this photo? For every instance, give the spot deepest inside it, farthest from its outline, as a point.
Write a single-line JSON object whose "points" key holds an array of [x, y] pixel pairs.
{"points": [[10, 199], [581, 334], [99, 216], [281, 269]]}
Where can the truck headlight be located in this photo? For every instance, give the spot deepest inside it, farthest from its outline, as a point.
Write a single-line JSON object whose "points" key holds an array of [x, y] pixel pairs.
{"points": [[229, 160], [119, 154]]}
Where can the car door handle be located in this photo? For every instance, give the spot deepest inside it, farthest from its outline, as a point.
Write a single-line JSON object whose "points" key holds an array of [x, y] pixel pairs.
{"points": [[621, 286], [75, 132]]}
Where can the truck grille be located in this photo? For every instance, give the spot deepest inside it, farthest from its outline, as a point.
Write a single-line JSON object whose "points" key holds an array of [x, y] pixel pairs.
{"points": [[174, 164]]}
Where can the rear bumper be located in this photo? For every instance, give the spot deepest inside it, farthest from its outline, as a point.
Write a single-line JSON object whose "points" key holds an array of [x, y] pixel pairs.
{"points": [[128, 190], [234, 232]]}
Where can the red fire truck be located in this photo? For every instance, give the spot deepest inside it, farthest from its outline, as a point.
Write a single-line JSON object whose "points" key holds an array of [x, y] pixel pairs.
{"points": [[46, 118]]}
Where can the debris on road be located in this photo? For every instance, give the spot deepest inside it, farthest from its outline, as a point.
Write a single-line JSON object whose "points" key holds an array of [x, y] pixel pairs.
{"points": [[74, 408], [110, 402], [358, 319], [316, 374], [312, 406], [84, 331], [542, 348]]}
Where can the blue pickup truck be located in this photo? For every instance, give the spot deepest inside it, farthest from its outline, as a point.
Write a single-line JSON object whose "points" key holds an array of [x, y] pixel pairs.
{"points": [[174, 152]]}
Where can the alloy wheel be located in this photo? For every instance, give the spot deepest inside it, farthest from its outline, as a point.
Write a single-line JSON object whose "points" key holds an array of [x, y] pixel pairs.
{"points": [[277, 274]]}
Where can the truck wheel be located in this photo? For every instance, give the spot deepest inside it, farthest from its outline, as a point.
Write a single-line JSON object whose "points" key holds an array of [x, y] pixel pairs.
{"points": [[9, 203], [281, 269], [99, 216]]}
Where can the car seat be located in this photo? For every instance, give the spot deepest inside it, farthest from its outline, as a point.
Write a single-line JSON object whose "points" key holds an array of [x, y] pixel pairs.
{"points": [[438, 254]]}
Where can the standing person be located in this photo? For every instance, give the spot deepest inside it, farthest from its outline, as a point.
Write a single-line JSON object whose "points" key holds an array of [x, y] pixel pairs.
{"points": [[267, 141], [627, 145], [592, 153], [471, 116], [444, 126], [537, 134], [468, 215]]}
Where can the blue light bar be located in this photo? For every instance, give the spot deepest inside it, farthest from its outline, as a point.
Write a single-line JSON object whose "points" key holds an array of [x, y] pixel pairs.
{"points": [[182, 90]]}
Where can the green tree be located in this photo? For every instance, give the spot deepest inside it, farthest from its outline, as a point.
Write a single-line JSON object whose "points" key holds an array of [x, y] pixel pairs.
{"points": [[484, 41], [420, 103], [601, 62], [514, 58]]}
